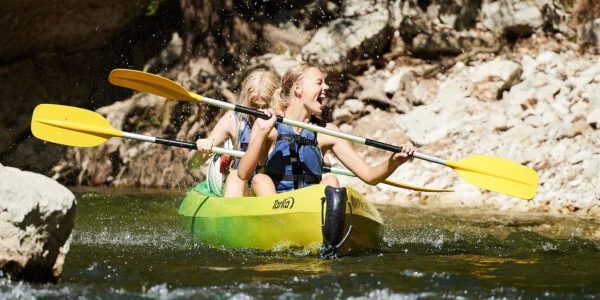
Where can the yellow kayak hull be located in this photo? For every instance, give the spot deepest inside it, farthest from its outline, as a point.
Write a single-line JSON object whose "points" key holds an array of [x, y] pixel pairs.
{"points": [[279, 222]]}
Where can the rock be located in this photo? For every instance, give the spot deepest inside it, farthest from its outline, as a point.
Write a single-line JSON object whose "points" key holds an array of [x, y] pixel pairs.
{"points": [[591, 92], [579, 156], [452, 108], [32, 28], [398, 80], [509, 16], [556, 17], [589, 33], [421, 92], [587, 76], [354, 36], [579, 127], [593, 118], [63, 54], [280, 40], [200, 66], [439, 43], [281, 63], [371, 89], [341, 115], [36, 219], [498, 121], [350, 109], [354, 105], [168, 56], [491, 79]]}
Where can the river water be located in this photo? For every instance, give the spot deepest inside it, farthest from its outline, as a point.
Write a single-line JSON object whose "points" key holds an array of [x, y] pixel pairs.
{"points": [[129, 244]]}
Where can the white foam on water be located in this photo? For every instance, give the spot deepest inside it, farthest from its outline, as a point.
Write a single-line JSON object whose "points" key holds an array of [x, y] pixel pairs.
{"points": [[158, 240], [412, 273], [23, 290], [387, 294], [162, 291]]}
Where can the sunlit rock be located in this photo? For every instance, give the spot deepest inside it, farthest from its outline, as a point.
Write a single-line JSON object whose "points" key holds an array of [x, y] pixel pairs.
{"points": [[491, 79], [36, 219], [361, 33], [281, 63], [398, 80], [593, 118], [519, 17]]}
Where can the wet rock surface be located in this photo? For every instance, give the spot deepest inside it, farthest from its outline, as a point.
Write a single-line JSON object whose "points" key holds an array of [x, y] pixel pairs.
{"points": [[37, 215]]}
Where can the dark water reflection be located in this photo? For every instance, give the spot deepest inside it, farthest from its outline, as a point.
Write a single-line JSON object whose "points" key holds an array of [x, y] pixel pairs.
{"points": [[128, 244]]}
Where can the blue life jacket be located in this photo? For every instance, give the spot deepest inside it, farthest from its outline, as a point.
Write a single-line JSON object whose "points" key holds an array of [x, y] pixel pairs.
{"points": [[296, 159], [244, 140]]}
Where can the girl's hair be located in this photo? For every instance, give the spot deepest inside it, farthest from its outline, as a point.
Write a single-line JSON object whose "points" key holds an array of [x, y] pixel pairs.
{"points": [[256, 92], [281, 98], [258, 89]]}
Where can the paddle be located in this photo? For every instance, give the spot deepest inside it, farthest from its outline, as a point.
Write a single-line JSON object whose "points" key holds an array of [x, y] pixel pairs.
{"points": [[487, 172], [79, 127]]}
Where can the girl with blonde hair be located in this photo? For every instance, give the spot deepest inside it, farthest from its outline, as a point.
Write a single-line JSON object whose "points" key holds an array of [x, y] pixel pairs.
{"points": [[293, 157], [256, 92]]}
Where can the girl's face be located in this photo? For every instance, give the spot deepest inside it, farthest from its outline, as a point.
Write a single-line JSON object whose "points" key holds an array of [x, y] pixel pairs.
{"points": [[312, 89]]}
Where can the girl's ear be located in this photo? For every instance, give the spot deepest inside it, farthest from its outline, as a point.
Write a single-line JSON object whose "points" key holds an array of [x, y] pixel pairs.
{"points": [[297, 89]]}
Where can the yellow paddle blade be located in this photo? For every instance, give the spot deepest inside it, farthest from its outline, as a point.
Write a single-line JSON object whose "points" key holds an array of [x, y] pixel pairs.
{"points": [[71, 126], [150, 83], [498, 175], [414, 187]]}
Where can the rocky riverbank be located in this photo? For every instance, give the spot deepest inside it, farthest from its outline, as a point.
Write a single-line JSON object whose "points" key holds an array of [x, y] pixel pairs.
{"points": [[536, 105]]}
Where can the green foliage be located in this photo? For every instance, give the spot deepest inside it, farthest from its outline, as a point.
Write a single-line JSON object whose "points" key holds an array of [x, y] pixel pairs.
{"points": [[154, 121], [139, 125], [567, 4], [152, 7]]}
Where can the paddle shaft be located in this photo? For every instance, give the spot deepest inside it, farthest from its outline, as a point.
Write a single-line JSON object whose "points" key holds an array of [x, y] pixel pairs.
{"points": [[319, 129], [109, 131], [217, 150]]}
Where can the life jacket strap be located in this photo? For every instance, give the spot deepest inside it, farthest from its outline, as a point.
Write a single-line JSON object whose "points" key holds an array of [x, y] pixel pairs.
{"points": [[304, 178], [298, 139]]}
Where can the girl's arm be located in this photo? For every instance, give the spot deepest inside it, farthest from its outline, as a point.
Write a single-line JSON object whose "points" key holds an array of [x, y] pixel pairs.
{"points": [[345, 152], [258, 146], [225, 129]]}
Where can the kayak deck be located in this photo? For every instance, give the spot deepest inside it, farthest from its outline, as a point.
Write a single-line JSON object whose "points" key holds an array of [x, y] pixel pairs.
{"points": [[278, 222]]}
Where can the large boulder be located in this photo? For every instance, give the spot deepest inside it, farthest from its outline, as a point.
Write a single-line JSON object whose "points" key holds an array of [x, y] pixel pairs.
{"points": [[32, 28], [362, 32], [520, 17], [62, 52], [36, 219]]}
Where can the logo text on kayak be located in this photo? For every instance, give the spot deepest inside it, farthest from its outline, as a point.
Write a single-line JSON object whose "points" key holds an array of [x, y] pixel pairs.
{"points": [[285, 203]]}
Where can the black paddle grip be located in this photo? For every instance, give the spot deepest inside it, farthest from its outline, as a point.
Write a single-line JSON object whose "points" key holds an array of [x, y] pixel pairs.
{"points": [[176, 143], [384, 146], [256, 113]]}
